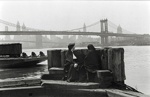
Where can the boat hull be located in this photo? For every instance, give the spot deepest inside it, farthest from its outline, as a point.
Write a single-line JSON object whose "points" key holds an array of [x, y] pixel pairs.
{"points": [[20, 62]]}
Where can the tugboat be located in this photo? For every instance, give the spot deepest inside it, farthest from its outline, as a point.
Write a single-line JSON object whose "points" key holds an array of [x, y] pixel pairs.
{"points": [[11, 56]]}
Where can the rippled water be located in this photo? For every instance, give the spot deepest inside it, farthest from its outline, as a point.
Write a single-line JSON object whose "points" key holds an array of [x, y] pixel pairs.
{"points": [[137, 62], [137, 68]]}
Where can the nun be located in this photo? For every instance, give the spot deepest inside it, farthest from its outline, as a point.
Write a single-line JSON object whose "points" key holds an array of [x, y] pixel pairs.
{"points": [[91, 63]]}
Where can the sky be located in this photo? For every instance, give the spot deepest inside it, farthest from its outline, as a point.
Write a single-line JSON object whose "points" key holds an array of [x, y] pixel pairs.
{"points": [[133, 16]]}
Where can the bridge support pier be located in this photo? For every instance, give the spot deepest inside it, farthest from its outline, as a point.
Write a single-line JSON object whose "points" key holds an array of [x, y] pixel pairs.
{"points": [[102, 40], [38, 42], [106, 40], [104, 29]]}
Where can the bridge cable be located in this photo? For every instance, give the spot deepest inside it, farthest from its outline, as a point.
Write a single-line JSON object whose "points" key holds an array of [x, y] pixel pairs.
{"points": [[14, 25], [86, 26], [111, 24]]}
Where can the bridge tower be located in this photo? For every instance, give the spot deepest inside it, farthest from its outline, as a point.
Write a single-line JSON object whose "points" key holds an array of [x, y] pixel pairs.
{"points": [[119, 29], [7, 37], [104, 29], [6, 28], [24, 27], [18, 26], [84, 28]]}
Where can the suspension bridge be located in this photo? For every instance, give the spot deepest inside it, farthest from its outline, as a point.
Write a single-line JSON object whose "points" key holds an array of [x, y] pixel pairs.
{"points": [[103, 28]]}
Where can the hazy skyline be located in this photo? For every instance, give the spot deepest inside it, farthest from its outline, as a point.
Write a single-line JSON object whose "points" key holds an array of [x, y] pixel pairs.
{"points": [[65, 15]]}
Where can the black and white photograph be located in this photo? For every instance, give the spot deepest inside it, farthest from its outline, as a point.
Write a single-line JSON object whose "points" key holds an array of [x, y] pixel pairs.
{"points": [[74, 48]]}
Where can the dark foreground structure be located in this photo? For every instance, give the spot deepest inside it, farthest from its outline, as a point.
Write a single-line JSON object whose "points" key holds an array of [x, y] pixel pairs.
{"points": [[109, 81]]}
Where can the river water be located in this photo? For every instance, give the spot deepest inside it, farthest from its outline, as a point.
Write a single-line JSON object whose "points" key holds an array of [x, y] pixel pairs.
{"points": [[137, 68]]}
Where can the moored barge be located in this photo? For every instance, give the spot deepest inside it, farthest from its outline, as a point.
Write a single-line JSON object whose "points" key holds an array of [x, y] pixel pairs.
{"points": [[11, 56]]}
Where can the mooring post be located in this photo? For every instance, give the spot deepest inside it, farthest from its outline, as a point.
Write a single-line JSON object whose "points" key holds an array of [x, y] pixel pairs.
{"points": [[54, 58], [116, 64]]}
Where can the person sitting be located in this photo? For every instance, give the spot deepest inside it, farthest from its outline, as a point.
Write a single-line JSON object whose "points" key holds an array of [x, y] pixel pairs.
{"points": [[41, 54], [71, 74], [33, 54], [24, 55], [91, 63]]}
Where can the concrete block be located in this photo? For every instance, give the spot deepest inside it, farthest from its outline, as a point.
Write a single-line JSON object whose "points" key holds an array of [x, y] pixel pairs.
{"points": [[52, 77], [54, 74], [56, 70], [103, 73], [58, 84], [104, 78]]}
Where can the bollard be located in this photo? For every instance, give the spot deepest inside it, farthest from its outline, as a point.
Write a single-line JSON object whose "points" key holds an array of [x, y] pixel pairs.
{"points": [[104, 78], [116, 64]]}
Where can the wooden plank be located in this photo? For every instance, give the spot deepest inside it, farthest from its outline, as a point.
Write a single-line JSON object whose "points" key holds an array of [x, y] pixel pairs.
{"points": [[49, 54]]}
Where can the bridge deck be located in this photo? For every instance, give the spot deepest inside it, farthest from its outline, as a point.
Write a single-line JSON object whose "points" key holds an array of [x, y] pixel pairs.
{"points": [[69, 33]]}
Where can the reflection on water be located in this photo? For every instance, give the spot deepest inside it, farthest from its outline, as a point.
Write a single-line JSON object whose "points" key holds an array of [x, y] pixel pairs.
{"points": [[137, 68]]}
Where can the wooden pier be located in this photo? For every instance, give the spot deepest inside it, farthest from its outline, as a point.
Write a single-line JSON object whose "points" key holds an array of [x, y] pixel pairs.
{"points": [[51, 84]]}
